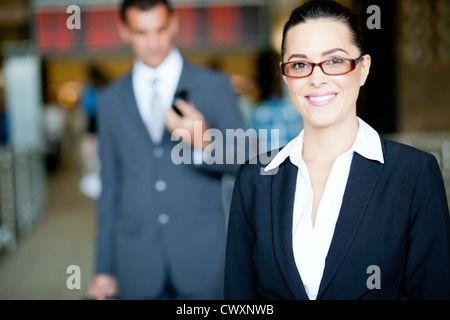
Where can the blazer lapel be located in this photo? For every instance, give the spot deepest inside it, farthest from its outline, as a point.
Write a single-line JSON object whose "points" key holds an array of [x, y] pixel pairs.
{"points": [[283, 193], [183, 83], [184, 77], [361, 182]]}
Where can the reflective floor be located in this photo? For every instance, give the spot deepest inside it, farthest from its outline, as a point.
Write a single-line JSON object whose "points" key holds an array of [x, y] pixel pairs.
{"points": [[37, 267]]}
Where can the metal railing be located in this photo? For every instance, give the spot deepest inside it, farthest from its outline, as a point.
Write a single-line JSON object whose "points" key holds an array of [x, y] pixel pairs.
{"points": [[23, 194]]}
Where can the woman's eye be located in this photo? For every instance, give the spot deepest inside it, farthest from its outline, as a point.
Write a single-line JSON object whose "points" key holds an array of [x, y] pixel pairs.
{"points": [[299, 65]]}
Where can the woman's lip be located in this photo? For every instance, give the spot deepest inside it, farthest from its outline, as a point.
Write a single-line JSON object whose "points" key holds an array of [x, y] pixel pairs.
{"points": [[319, 99], [320, 93]]}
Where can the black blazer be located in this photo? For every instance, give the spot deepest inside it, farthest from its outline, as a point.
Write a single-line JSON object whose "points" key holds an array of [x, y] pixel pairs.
{"points": [[394, 215]]}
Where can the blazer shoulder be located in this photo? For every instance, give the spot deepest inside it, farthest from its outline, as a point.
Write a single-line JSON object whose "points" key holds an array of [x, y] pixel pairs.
{"points": [[402, 153], [410, 163], [109, 97], [116, 87], [205, 73]]}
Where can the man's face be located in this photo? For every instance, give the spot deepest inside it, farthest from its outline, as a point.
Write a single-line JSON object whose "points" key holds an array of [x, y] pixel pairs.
{"points": [[150, 33]]}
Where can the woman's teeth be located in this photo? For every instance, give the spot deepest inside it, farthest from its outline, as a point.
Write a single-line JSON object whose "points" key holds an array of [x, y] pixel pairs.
{"points": [[322, 98]]}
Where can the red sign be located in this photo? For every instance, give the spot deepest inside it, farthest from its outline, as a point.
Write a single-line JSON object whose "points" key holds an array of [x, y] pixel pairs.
{"points": [[53, 35], [204, 28], [101, 32], [224, 26]]}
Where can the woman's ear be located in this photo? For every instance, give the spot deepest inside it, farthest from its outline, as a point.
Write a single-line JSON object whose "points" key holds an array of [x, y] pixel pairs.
{"points": [[365, 68]]}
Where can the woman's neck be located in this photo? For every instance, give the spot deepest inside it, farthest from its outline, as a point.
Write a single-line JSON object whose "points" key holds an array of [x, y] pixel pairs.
{"points": [[327, 143]]}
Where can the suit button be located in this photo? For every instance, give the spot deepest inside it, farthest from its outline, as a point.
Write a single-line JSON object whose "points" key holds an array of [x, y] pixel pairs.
{"points": [[163, 218], [160, 185], [158, 152]]}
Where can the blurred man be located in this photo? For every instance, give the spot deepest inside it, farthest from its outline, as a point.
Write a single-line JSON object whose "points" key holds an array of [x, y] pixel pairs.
{"points": [[161, 226]]}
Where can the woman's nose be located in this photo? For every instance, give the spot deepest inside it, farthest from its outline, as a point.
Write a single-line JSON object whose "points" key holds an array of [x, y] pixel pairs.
{"points": [[317, 77]]}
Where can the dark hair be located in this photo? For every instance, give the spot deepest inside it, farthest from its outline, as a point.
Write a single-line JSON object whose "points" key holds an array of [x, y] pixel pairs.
{"points": [[143, 5], [325, 9]]}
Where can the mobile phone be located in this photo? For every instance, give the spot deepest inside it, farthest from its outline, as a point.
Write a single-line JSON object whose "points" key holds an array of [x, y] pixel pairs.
{"points": [[183, 95]]}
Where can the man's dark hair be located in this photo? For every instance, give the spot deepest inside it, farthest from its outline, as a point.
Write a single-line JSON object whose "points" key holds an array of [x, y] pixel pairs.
{"points": [[325, 9], [143, 5]]}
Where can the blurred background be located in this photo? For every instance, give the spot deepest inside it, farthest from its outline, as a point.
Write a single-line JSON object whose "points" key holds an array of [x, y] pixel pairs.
{"points": [[49, 73]]}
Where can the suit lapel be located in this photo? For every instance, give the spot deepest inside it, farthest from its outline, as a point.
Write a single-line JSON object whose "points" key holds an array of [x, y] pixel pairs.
{"points": [[183, 83], [184, 77], [361, 182], [283, 193]]}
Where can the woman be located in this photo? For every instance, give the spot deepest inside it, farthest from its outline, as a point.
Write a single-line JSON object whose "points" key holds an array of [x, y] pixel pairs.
{"points": [[339, 213]]}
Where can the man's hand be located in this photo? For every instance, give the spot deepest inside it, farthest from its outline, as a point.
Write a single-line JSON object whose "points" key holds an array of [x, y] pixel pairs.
{"points": [[102, 287], [191, 122]]}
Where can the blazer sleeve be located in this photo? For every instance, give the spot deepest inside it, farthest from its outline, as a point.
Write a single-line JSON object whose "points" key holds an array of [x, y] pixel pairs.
{"points": [[106, 204], [427, 272], [240, 276]]}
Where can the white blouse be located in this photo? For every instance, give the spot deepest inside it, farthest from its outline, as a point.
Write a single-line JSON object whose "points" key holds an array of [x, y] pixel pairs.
{"points": [[310, 245]]}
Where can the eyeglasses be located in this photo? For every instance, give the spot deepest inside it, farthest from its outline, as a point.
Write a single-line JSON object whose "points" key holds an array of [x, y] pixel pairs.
{"points": [[331, 67]]}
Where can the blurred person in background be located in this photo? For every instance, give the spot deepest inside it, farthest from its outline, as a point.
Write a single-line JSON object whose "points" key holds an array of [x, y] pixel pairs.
{"points": [[273, 111], [56, 121], [248, 92], [161, 226], [90, 183]]}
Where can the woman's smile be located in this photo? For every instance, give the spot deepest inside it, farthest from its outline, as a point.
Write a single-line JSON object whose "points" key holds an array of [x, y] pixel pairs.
{"points": [[321, 98]]}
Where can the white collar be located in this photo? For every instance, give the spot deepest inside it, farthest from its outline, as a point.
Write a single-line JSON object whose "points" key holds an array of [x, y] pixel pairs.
{"points": [[169, 69], [367, 144]]}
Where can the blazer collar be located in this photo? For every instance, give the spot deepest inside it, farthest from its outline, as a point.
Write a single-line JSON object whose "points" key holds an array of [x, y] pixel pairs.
{"points": [[283, 192], [363, 177], [367, 143]]}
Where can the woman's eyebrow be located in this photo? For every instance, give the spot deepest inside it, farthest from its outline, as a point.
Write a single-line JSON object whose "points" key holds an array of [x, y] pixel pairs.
{"points": [[298, 55], [325, 53]]}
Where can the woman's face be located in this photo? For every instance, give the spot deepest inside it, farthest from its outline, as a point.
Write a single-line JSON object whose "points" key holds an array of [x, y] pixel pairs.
{"points": [[324, 100]]}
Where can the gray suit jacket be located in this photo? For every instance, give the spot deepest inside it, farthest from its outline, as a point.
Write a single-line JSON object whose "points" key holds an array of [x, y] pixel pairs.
{"points": [[157, 219]]}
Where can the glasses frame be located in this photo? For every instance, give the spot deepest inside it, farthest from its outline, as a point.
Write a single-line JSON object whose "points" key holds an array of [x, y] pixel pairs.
{"points": [[354, 63]]}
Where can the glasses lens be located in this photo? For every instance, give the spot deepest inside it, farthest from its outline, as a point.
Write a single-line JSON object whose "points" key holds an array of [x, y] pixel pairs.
{"points": [[297, 69], [337, 66]]}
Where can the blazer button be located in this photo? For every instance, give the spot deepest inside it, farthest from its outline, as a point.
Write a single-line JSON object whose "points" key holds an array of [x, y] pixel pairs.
{"points": [[163, 218], [160, 185]]}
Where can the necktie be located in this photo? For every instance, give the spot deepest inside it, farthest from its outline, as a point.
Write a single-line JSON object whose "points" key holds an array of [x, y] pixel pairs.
{"points": [[157, 122]]}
